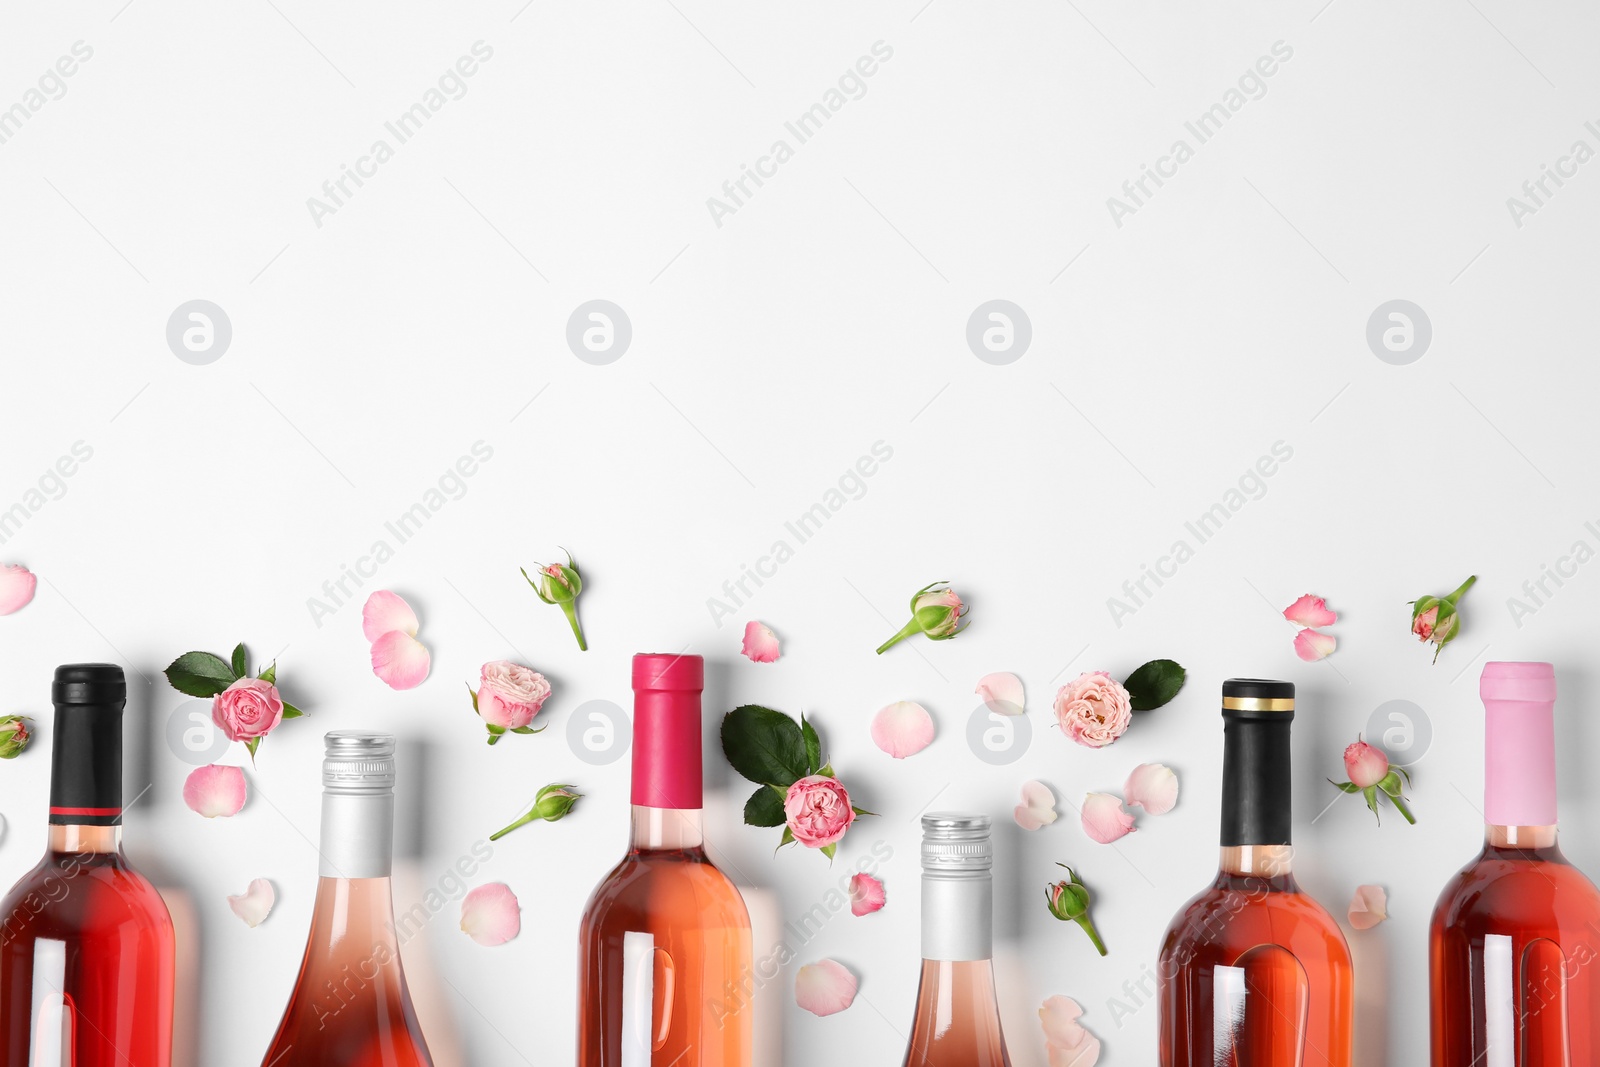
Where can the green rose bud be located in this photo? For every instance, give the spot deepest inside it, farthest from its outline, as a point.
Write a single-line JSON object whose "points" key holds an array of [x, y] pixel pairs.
{"points": [[14, 735], [936, 610], [1069, 900], [561, 585], [552, 804], [1434, 618]]}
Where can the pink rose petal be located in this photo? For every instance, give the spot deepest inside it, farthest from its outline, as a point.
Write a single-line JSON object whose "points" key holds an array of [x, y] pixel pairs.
{"points": [[1153, 787], [256, 903], [1103, 818], [1310, 611], [215, 791], [1067, 1043], [1310, 645], [1002, 693], [824, 987], [902, 729], [760, 643], [490, 914], [17, 584], [866, 894], [400, 660], [385, 612], [1038, 807], [1368, 907]]}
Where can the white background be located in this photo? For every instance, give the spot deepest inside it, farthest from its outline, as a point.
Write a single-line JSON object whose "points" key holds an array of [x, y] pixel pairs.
{"points": [[769, 353]]}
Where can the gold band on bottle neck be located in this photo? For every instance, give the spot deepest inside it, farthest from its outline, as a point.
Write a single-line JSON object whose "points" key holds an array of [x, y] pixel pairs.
{"points": [[1258, 703]]}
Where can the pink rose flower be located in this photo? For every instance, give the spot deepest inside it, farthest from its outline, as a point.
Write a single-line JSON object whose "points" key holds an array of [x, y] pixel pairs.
{"points": [[247, 709], [818, 811], [1365, 765], [1423, 624], [1094, 710], [510, 695]]}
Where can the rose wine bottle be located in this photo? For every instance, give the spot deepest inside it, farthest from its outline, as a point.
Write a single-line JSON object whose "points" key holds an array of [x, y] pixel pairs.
{"points": [[86, 944], [1515, 939], [957, 1023], [350, 1005], [1253, 972], [664, 968]]}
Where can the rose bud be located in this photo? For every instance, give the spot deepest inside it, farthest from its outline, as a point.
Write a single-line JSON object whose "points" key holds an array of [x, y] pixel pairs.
{"points": [[936, 610], [552, 804], [1070, 900], [1365, 765], [1434, 619], [560, 584], [1370, 775], [14, 735]]}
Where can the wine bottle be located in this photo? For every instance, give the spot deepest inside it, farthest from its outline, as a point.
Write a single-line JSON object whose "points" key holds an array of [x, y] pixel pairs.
{"points": [[665, 975], [350, 1005], [1253, 971], [86, 944], [1515, 937], [957, 1021]]}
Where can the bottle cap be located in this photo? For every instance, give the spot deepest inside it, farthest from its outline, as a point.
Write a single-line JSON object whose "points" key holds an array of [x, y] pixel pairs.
{"points": [[1257, 695], [1519, 781], [90, 684], [358, 762], [667, 731], [956, 842]]}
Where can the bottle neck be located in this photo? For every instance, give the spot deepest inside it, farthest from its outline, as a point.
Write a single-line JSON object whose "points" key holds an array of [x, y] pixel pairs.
{"points": [[1519, 779], [76, 838], [1256, 784], [667, 829], [957, 916], [357, 835], [1519, 837], [1258, 861], [666, 749], [958, 1015]]}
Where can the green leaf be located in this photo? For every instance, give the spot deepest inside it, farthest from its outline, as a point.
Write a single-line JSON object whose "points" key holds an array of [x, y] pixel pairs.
{"points": [[1345, 787], [200, 674], [290, 711], [1154, 684], [813, 746], [240, 664], [828, 850], [270, 675], [251, 746], [764, 808], [765, 746]]}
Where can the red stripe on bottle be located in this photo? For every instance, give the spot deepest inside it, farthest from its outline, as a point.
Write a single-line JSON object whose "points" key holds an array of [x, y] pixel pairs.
{"points": [[85, 811]]}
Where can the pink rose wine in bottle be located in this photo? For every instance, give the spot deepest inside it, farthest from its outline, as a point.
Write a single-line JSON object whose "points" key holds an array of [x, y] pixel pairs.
{"points": [[350, 1006], [664, 968], [86, 944], [957, 1023], [1253, 972], [1515, 939]]}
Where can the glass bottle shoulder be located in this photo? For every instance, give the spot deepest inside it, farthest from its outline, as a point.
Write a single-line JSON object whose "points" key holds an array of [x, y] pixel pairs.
{"points": [[1515, 888], [683, 883], [1239, 912]]}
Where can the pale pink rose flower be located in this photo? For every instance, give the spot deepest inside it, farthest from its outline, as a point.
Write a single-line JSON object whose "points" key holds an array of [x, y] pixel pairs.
{"points": [[824, 987], [17, 585], [1067, 1043], [1368, 907], [1002, 693], [1365, 764], [866, 894], [400, 661], [510, 695], [1153, 787], [760, 643], [1311, 645], [902, 729], [214, 791], [1093, 709], [1038, 807], [490, 914], [817, 810], [1104, 820], [385, 612], [1310, 611], [255, 904], [247, 709], [1424, 623]]}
